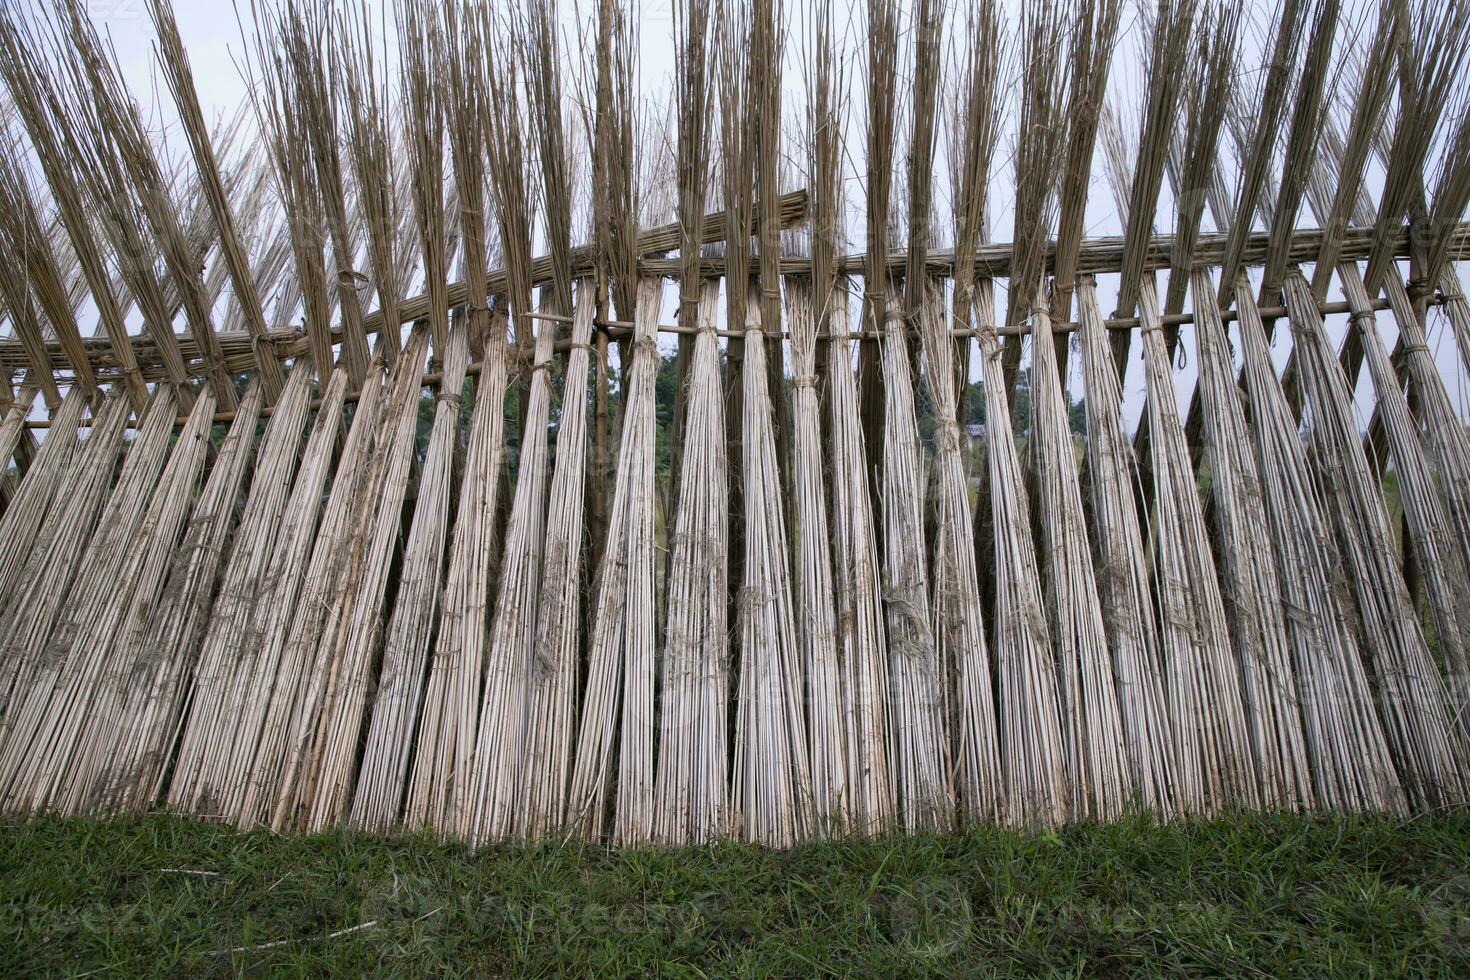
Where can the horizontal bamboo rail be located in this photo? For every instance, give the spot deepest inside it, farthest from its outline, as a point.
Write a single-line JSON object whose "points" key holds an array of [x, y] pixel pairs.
{"points": [[1097, 256]]}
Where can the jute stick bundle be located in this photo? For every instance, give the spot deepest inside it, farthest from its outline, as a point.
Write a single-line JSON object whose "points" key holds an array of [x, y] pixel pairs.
{"points": [[551, 717], [152, 674], [126, 596], [440, 789], [614, 756], [500, 744], [221, 664], [30, 611], [1249, 576], [1031, 748], [44, 669], [770, 792], [1352, 768], [1098, 776], [858, 591], [815, 616], [1437, 554], [383, 773], [1122, 563], [1411, 694], [295, 696], [21, 523], [1216, 767], [317, 787], [261, 659], [691, 789]]}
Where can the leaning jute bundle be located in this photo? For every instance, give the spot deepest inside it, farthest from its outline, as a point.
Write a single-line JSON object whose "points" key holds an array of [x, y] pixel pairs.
{"points": [[53, 778], [1096, 754], [1029, 715], [221, 665], [1123, 569], [1249, 577], [151, 674], [384, 769], [692, 786], [614, 758], [439, 795], [299, 684], [500, 743], [261, 661], [1411, 694], [317, 788], [1351, 766], [42, 669], [770, 792], [30, 611], [21, 522], [440, 784], [1216, 767], [552, 698], [1438, 556], [501, 737], [920, 697]]}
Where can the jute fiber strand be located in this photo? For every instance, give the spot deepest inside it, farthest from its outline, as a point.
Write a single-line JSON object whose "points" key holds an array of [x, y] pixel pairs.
{"points": [[1031, 746], [44, 669], [274, 616], [1411, 694], [1096, 752], [1122, 566], [613, 768], [691, 791], [1248, 574], [1351, 766], [118, 603], [552, 697], [300, 683], [31, 610], [440, 789], [223, 662], [152, 671], [317, 789]]}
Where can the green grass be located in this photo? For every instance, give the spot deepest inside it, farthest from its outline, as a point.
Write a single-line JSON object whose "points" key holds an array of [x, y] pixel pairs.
{"points": [[1244, 896]]}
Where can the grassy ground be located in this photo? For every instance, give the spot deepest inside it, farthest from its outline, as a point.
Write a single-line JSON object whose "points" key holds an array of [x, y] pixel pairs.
{"points": [[1245, 896]]}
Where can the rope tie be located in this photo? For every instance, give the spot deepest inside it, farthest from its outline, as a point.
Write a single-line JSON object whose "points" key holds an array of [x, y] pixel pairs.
{"points": [[1416, 349], [804, 381], [352, 279], [453, 399], [1361, 316], [1451, 297]]}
